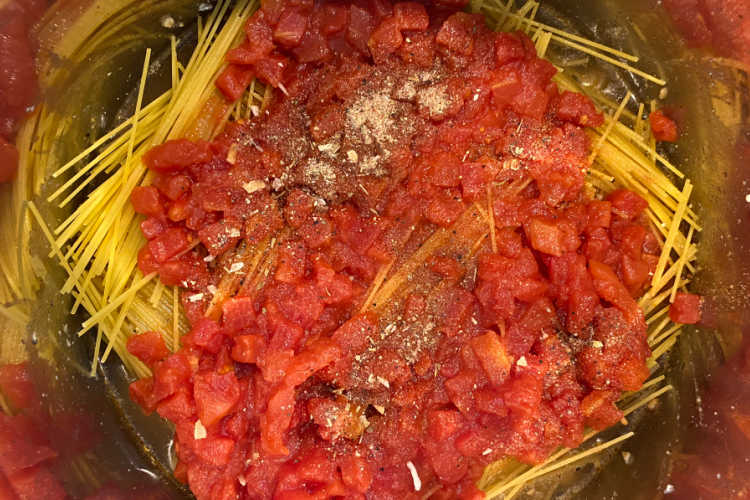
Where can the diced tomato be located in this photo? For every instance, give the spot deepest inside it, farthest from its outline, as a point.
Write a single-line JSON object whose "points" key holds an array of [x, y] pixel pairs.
{"points": [[176, 155], [291, 27], [506, 86], [141, 391], [216, 451], [207, 334], [492, 356], [577, 108], [234, 80], [545, 236], [147, 201], [222, 236], [610, 288], [334, 18], [168, 244], [259, 41], [460, 390], [170, 376], [37, 482], [153, 227], [599, 214], [456, 33], [334, 288], [386, 39], [356, 473], [278, 417], [246, 348], [361, 26], [627, 204], [177, 408], [663, 127], [524, 394], [146, 261], [419, 49], [238, 314], [215, 395], [149, 347], [686, 308], [444, 423], [411, 16], [444, 209], [271, 69], [313, 48], [599, 409], [178, 273], [508, 48]]}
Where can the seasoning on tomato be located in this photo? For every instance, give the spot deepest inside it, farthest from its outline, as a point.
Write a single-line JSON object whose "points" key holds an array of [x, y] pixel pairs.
{"points": [[394, 275]]}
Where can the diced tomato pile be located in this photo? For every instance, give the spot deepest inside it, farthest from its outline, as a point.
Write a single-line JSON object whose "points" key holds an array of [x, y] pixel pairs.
{"points": [[26, 454], [18, 86], [336, 350]]}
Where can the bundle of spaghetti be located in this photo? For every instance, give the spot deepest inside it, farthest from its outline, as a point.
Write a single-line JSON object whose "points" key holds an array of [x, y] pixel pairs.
{"points": [[624, 155], [99, 241], [98, 244]]}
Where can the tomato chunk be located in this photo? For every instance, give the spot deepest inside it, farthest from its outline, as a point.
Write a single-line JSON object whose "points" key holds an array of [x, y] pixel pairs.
{"points": [[176, 155], [149, 347], [215, 396], [663, 127], [686, 308]]}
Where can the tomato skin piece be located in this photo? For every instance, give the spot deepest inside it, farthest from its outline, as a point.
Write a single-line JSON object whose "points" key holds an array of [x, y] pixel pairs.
{"points": [[177, 154], [686, 308], [663, 127], [149, 347]]}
